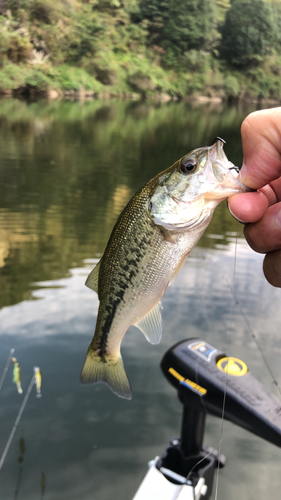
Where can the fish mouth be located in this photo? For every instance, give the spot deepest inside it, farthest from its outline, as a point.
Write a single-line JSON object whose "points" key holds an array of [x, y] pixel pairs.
{"points": [[220, 162], [224, 171]]}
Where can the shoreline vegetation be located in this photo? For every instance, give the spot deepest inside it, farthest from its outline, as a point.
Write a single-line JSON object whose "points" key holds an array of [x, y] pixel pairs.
{"points": [[211, 50]]}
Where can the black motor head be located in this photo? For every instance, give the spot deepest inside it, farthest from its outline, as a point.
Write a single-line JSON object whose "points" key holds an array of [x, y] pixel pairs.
{"points": [[205, 377]]}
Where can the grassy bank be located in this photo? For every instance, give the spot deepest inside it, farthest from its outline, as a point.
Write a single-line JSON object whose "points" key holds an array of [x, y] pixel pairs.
{"points": [[104, 48]]}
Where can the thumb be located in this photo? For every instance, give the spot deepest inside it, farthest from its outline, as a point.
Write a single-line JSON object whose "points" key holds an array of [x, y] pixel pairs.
{"points": [[261, 139]]}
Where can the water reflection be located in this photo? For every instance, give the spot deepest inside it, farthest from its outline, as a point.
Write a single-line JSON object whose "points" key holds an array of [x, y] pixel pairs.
{"points": [[66, 171], [20, 461]]}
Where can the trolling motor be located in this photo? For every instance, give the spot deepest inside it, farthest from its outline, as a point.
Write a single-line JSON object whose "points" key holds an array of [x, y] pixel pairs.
{"points": [[207, 381]]}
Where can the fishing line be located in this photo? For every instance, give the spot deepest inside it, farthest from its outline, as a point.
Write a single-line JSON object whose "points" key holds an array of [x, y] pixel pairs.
{"points": [[6, 367], [197, 463], [254, 337], [17, 421], [230, 328]]}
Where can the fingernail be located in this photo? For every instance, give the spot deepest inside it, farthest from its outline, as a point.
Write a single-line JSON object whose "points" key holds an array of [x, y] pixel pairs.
{"points": [[278, 219], [277, 269], [272, 268], [239, 220]]}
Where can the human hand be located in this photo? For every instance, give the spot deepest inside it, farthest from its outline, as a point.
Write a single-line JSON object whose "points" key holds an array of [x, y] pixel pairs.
{"points": [[261, 210]]}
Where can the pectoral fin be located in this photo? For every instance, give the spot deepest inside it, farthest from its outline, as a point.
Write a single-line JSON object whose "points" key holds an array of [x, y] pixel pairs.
{"points": [[180, 266], [151, 325], [166, 234], [93, 279]]}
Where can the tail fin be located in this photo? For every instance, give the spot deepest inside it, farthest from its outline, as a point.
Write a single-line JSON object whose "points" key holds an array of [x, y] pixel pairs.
{"points": [[108, 370]]}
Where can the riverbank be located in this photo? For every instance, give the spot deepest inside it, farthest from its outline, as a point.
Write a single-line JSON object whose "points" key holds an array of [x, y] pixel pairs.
{"points": [[82, 95], [103, 49], [216, 83]]}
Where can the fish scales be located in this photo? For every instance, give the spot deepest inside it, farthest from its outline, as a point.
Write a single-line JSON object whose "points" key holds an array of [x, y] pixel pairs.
{"points": [[148, 246], [141, 265]]}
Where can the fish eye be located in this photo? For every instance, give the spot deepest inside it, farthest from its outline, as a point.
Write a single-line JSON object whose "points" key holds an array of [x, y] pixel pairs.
{"points": [[188, 166]]}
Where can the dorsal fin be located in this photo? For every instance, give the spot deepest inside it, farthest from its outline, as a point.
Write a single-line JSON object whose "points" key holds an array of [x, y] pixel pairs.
{"points": [[151, 325], [93, 279]]}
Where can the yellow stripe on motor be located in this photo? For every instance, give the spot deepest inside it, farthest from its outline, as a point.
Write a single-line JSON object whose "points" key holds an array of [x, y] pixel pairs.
{"points": [[180, 378], [176, 374]]}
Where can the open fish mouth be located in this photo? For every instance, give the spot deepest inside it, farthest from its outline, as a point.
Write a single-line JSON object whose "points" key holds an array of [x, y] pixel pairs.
{"points": [[224, 171], [219, 143], [220, 162], [221, 165]]}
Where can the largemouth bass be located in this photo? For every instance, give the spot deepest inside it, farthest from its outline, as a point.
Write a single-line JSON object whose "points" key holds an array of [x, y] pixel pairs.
{"points": [[147, 248]]}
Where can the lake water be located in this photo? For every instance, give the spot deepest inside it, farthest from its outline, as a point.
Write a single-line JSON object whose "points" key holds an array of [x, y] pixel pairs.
{"points": [[67, 169]]}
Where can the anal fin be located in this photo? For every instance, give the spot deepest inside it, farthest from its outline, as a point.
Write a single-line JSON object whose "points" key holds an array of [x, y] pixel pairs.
{"points": [[93, 279], [151, 324]]}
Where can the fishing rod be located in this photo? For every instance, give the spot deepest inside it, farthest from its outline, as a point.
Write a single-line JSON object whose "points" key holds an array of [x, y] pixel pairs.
{"points": [[17, 421], [36, 379], [207, 381], [6, 367]]}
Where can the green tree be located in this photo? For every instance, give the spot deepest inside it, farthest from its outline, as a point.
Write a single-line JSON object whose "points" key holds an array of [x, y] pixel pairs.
{"points": [[84, 34], [222, 7], [276, 7], [179, 25], [248, 32]]}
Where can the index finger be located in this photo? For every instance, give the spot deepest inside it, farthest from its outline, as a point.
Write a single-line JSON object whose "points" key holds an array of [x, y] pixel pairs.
{"points": [[261, 139]]}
